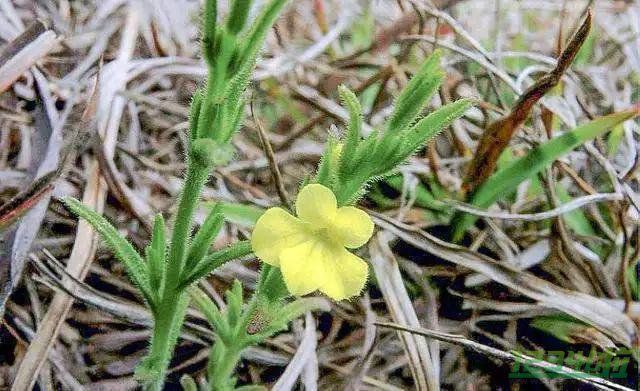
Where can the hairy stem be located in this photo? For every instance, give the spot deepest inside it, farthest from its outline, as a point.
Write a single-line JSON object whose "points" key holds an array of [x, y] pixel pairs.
{"points": [[169, 318], [222, 372]]}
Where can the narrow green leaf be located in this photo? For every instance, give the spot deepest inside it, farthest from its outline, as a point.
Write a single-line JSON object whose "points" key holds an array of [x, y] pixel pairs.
{"points": [[210, 311], [216, 259], [188, 384], [258, 31], [281, 316], [240, 214], [217, 83], [327, 169], [209, 24], [122, 249], [354, 129], [237, 18], [507, 179], [203, 239], [234, 121], [430, 126], [424, 198], [271, 285], [157, 256], [415, 95], [194, 114], [364, 151], [234, 300]]}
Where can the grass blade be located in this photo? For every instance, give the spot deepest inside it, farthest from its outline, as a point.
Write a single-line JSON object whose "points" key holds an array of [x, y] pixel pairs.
{"points": [[507, 179]]}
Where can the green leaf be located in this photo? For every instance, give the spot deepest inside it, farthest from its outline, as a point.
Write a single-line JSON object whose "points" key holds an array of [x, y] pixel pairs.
{"points": [[234, 304], [415, 95], [194, 114], [210, 311], [203, 239], [251, 387], [578, 221], [424, 198], [216, 83], [354, 129], [614, 140], [328, 167], [430, 126], [157, 256], [237, 18], [564, 328], [122, 249], [209, 24], [216, 259], [240, 214], [188, 384], [363, 153], [258, 31], [281, 316], [271, 286], [507, 179]]}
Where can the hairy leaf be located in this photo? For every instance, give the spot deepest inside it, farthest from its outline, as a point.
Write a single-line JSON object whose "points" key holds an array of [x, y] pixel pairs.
{"points": [[122, 249], [205, 236], [216, 259], [415, 95]]}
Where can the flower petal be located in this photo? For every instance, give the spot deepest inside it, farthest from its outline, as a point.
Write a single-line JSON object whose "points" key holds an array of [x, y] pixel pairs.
{"points": [[316, 204], [275, 231], [345, 275], [352, 227], [303, 268]]}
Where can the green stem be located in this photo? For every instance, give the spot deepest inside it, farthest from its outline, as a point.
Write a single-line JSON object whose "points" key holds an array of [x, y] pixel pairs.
{"points": [[162, 344], [197, 175], [169, 317], [225, 365]]}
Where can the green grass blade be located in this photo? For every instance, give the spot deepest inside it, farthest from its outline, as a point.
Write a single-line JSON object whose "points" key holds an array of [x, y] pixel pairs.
{"points": [[122, 249], [507, 179]]}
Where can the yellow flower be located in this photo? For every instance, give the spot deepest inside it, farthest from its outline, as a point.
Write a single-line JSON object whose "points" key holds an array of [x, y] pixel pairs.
{"points": [[310, 249]]}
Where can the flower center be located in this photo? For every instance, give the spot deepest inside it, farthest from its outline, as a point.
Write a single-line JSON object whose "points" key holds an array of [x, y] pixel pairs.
{"points": [[323, 233]]}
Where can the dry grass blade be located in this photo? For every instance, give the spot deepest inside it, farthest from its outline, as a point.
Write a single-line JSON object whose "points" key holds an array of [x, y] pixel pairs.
{"points": [[586, 308], [497, 136], [271, 158], [582, 377], [27, 199], [16, 242], [24, 51], [559, 211], [86, 240], [130, 312], [306, 352], [424, 367], [127, 197]]}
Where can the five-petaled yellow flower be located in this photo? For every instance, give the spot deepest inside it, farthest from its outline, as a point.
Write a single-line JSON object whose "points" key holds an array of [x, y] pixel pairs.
{"points": [[310, 249]]}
